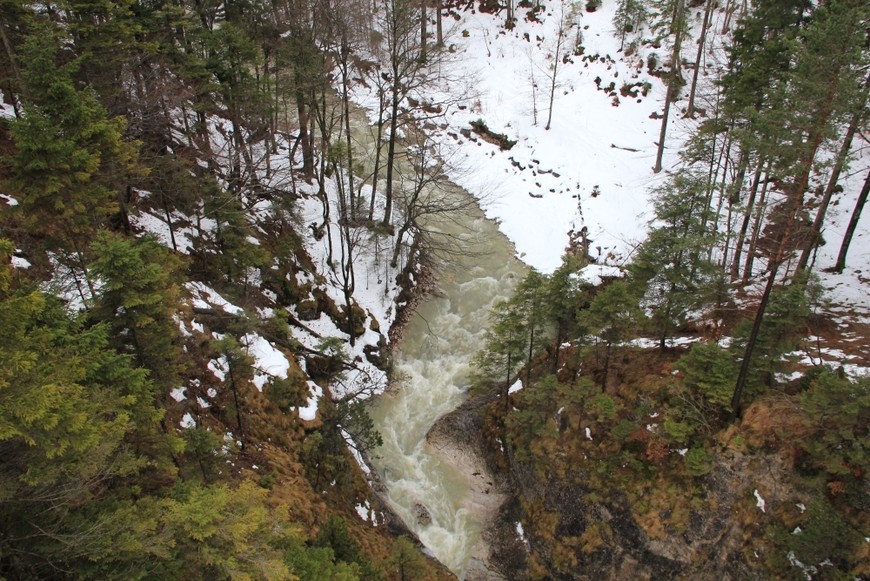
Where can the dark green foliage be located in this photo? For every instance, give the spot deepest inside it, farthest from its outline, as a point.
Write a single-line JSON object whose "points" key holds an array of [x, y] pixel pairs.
{"points": [[614, 316], [76, 419], [334, 535], [356, 421], [318, 564], [824, 535], [228, 254], [523, 325], [405, 560], [780, 332], [838, 409], [614, 313], [287, 393], [325, 451], [529, 422], [711, 370], [604, 406], [760, 52], [565, 300], [138, 297], [240, 372], [698, 462], [678, 432], [673, 266], [506, 342], [203, 447], [70, 159]]}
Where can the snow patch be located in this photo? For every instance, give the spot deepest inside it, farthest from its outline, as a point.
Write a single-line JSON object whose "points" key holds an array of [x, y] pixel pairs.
{"points": [[309, 411], [760, 501]]}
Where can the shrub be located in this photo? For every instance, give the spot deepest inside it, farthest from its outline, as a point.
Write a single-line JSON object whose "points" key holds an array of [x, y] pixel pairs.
{"points": [[698, 462], [824, 535], [678, 432], [622, 430], [711, 370], [604, 406]]}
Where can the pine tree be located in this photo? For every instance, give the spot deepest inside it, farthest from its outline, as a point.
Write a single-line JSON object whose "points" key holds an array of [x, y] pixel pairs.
{"points": [[814, 96], [74, 415], [672, 265], [628, 18], [138, 297], [505, 349], [614, 315], [70, 159]]}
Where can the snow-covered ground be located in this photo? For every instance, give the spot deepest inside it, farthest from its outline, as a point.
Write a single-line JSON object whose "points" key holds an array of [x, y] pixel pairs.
{"points": [[593, 167]]}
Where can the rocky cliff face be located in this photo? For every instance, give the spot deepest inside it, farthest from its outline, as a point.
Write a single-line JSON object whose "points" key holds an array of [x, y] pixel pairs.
{"points": [[547, 525]]}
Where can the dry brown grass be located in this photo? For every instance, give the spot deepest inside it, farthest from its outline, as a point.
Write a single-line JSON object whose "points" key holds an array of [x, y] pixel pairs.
{"points": [[775, 421]]}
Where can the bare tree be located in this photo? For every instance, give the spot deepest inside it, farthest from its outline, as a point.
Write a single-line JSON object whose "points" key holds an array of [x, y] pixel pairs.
{"points": [[565, 24], [699, 56], [853, 224], [675, 77], [426, 200]]}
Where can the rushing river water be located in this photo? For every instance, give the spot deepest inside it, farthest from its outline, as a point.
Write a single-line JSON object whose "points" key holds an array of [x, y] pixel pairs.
{"points": [[432, 365]]}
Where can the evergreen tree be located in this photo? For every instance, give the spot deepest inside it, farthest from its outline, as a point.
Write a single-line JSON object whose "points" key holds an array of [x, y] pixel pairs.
{"points": [[73, 413], [812, 99], [505, 342], [672, 265], [138, 297], [628, 18], [564, 299], [614, 315], [70, 160]]}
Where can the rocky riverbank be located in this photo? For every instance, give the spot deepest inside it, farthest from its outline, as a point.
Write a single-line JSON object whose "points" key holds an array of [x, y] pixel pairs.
{"points": [[457, 438]]}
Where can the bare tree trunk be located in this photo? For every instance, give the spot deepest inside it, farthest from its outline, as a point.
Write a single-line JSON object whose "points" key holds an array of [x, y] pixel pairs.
{"points": [[378, 138], [7, 46], [724, 158], [761, 207], [168, 219], [842, 155], [560, 36], [424, 17], [345, 82], [853, 224], [391, 154], [439, 31], [730, 8], [744, 226], [237, 405], [708, 9], [304, 137], [673, 81], [753, 336], [734, 199]]}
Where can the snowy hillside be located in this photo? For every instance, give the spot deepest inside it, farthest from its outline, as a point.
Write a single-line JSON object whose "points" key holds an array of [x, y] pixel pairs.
{"points": [[593, 167]]}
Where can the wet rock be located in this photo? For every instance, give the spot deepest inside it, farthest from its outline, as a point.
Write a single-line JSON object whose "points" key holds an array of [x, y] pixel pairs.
{"points": [[307, 310], [378, 355], [421, 513]]}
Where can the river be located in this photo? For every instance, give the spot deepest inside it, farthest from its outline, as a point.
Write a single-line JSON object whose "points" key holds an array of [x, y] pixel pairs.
{"points": [[432, 364]]}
